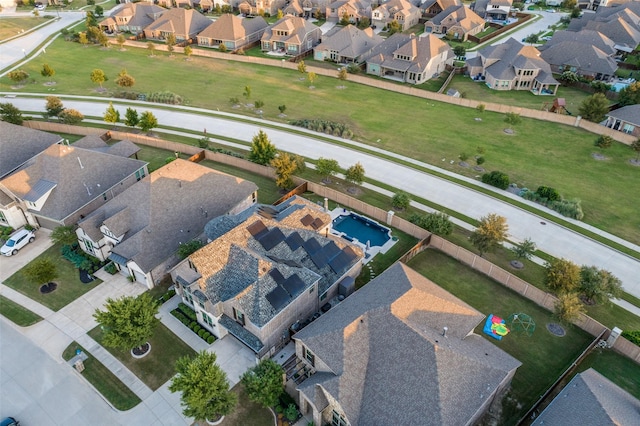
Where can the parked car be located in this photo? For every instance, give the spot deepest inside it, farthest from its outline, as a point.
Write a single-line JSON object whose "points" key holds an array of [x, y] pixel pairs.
{"points": [[9, 421], [16, 242]]}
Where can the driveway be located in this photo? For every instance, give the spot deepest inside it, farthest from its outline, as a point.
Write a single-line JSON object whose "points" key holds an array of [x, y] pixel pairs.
{"points": [[9, 265]]}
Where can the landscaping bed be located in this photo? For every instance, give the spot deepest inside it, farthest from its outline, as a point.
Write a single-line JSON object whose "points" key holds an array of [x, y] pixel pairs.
{"points": [[187, 316]]}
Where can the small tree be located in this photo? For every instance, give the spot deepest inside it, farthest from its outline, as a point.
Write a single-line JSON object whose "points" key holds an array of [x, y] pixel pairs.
{"points": [[630, 95], [40, 271], [568, 307], [83, 39], [171, 42], [355, 174], [327, 167], [282, 108], [98, 77], [635, 145], [204, 387], [342, 74], [459, 51], [301, 164], [284, 166], [151, 47], [53, 106], [401, 200], [65, 235], [525, 249], [18, 76], [102, 39], [512, 119], [71, 116], [491, 231], [247, 92], [302, 68], [186, 249], [111, 115], [47, 71], [604, 141], [148, 121], [91, 20], [187, 52], [594, 108], [311, 76], [120, 39], [598, 285], [481, 107], [11, 114], [562, 276], [99, 10], [532, 38], [258, 104], [222, 47], [279, 14], [262, 150], [124, 80], [344, 20], [394, 27], [264, 383], [364, 22], [437, 223], [128, 322], [131, 118]]}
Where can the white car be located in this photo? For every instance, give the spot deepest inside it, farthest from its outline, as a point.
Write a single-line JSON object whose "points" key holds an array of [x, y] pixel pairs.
{"points": [[17, 241]]}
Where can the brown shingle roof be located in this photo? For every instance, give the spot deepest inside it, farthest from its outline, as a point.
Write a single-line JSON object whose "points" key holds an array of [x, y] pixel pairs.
{"points": [[19, 144]]}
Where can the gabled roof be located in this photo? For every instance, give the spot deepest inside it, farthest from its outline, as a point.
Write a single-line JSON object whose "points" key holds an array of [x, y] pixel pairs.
{"points": [[231, 27], [394, 6], [617, 29], [462, 15], [124, 148], [180, 21], [629, 113], [349, 41], [81, 175], [296, 28], [389, 362], [590, 399], [442, 3], [504, 58], [141, 14], [19, 144], [422, 49], [580, 55], [588, 37], [167, 208]]}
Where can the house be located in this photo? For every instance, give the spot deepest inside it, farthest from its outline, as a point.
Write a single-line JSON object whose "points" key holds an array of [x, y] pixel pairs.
{"points": [[291, 35], [264, 273], [232, 31], [132, 18], [294, 8], [589, 37], [513, 66], [184, 24], [356, 10], [346, 44], [620, 23], [492, 10], [408, 58], [142, 228], [401, 11], [457, 21], [399, 351], [584, 59], [257, 7], [65, 183], [431, 8], [123, 148], [590, 399], [625, 119]]}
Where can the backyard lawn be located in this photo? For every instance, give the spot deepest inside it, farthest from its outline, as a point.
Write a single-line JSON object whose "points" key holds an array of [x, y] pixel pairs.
{"points": [[69, 285], [425, 130], [247, 412], [17, 313], [105, 382], [617, 368], [544, 356], [157, 367]]}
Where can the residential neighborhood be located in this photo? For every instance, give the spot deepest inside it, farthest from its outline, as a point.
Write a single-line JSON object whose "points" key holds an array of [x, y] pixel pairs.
{"points": [[319, 212]]}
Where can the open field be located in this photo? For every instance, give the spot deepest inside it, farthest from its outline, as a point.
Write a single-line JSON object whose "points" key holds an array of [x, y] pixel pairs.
{"points": [[10, 27], [424, 130]]}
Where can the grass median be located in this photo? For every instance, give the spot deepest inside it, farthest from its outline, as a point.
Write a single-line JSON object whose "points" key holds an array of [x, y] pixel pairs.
{"points": [[17, 314]]}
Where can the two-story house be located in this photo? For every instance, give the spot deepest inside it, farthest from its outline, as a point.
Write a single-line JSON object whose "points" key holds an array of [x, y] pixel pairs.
{"points": [[291, 35], [458, 22], [132, 18], [233, 32], [346, 45], [431, 8], [354, 9], [492, 10], [258, 7], [184, 24], [401, 11]]}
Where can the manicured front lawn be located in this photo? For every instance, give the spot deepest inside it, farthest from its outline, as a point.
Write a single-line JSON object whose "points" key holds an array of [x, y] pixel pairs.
{"points": [[159, 365], [69, 285], [17, 313], [105, 382], [544, 357]]}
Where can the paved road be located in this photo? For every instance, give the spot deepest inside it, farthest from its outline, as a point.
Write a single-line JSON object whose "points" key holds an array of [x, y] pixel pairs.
{"points": [[551, 238]]}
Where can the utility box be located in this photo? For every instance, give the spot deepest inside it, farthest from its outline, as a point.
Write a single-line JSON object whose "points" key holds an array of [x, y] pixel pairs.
{"points": [[79, 366], [615, 333]]}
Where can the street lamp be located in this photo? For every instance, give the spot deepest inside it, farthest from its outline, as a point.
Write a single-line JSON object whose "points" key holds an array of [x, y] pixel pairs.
{"points": [[24, 52]]}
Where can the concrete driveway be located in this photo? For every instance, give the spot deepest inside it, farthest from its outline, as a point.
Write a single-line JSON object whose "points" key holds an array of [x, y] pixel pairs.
{"points": [[9, 265]]}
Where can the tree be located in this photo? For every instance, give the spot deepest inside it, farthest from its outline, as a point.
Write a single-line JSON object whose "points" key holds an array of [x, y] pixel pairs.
{"points": [[222, 47], [47, 71], [264, 383], [111, 115], [436, 223], [279, 14], [569, 77], [98, 77], [131, 118], [569, 4], [491, 231], [282, 108], [102, 39], [365, 22], [400, 200], [171, 42], [151, 47], [262, 150], [91, 20], [92, 34], [568, 307], [512, 119], [311, 76], [327, 167], [247, 92], [147, 121], [204, 387], [562, 276], [604, 141], [188, 51], [18, 76], [128, 322], [83, 39], [630, 95], [284, 166], [594, 108], [394, 27], [71, 116], [186, 249], [355, 174], [302, 68], [344, 20], [598, 285], [65, 235], [575, 12], [635, 145], [120, 39], [531, 38], [40, 271], [99, 10], [11, 114], [342, 74], [525, 249], [497, 179], [459, 51], [124, 79], [53, 106]]}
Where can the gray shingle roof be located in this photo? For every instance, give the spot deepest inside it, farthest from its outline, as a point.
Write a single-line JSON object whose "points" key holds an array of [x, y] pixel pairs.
{"points": [[584, 57], [502, 59], [629, 113], [588, 37], [349, 41], [241, 333], [590, 399], [388, 360], [124, 148], [620, 31], [19, 144]]}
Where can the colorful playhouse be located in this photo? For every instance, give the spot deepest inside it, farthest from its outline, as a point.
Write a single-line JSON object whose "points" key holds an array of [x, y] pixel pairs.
{"points": [[495, 327]]}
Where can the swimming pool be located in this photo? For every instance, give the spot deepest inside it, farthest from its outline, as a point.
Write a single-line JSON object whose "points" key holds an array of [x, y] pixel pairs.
{"points": [[619, 86], [363, 229]]}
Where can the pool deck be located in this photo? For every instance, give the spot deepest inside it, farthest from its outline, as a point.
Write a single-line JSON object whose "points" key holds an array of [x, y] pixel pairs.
{"points": [[371, 251]]}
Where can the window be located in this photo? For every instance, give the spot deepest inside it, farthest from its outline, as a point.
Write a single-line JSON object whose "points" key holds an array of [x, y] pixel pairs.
{"points": [[238, 316], [140, 174], [3, 218], [628, 129], [311, 289], [338, 419], [206, 318], [324, 296], [89, 246], [309, 356]]}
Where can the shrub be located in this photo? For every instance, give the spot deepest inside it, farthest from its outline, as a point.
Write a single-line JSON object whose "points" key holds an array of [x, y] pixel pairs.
{"points": [[549, 193], [401, 200], [201, 332], [210, 339], [291, 413], [632, 336], [193, 324], [604, 141], [206, 335], [111, 268], [480, 161], [497, 179], [196, 329]]}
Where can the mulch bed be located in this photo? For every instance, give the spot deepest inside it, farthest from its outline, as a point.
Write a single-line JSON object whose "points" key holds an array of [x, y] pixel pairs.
{"points": [[85, 277], [141, 350], [48, 288]]}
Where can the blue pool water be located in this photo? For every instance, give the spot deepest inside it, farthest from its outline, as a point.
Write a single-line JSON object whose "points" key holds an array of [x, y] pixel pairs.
{"points": [[619, 86], [362, 229]]}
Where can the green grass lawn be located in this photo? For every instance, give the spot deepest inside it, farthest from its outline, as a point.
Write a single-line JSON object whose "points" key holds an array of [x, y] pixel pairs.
{"points": [[158, 367], [247, 412], [69, 285], [617, 368], [544, 357], [10, 27], [105, 382], [17, 313], [530, 157]]}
